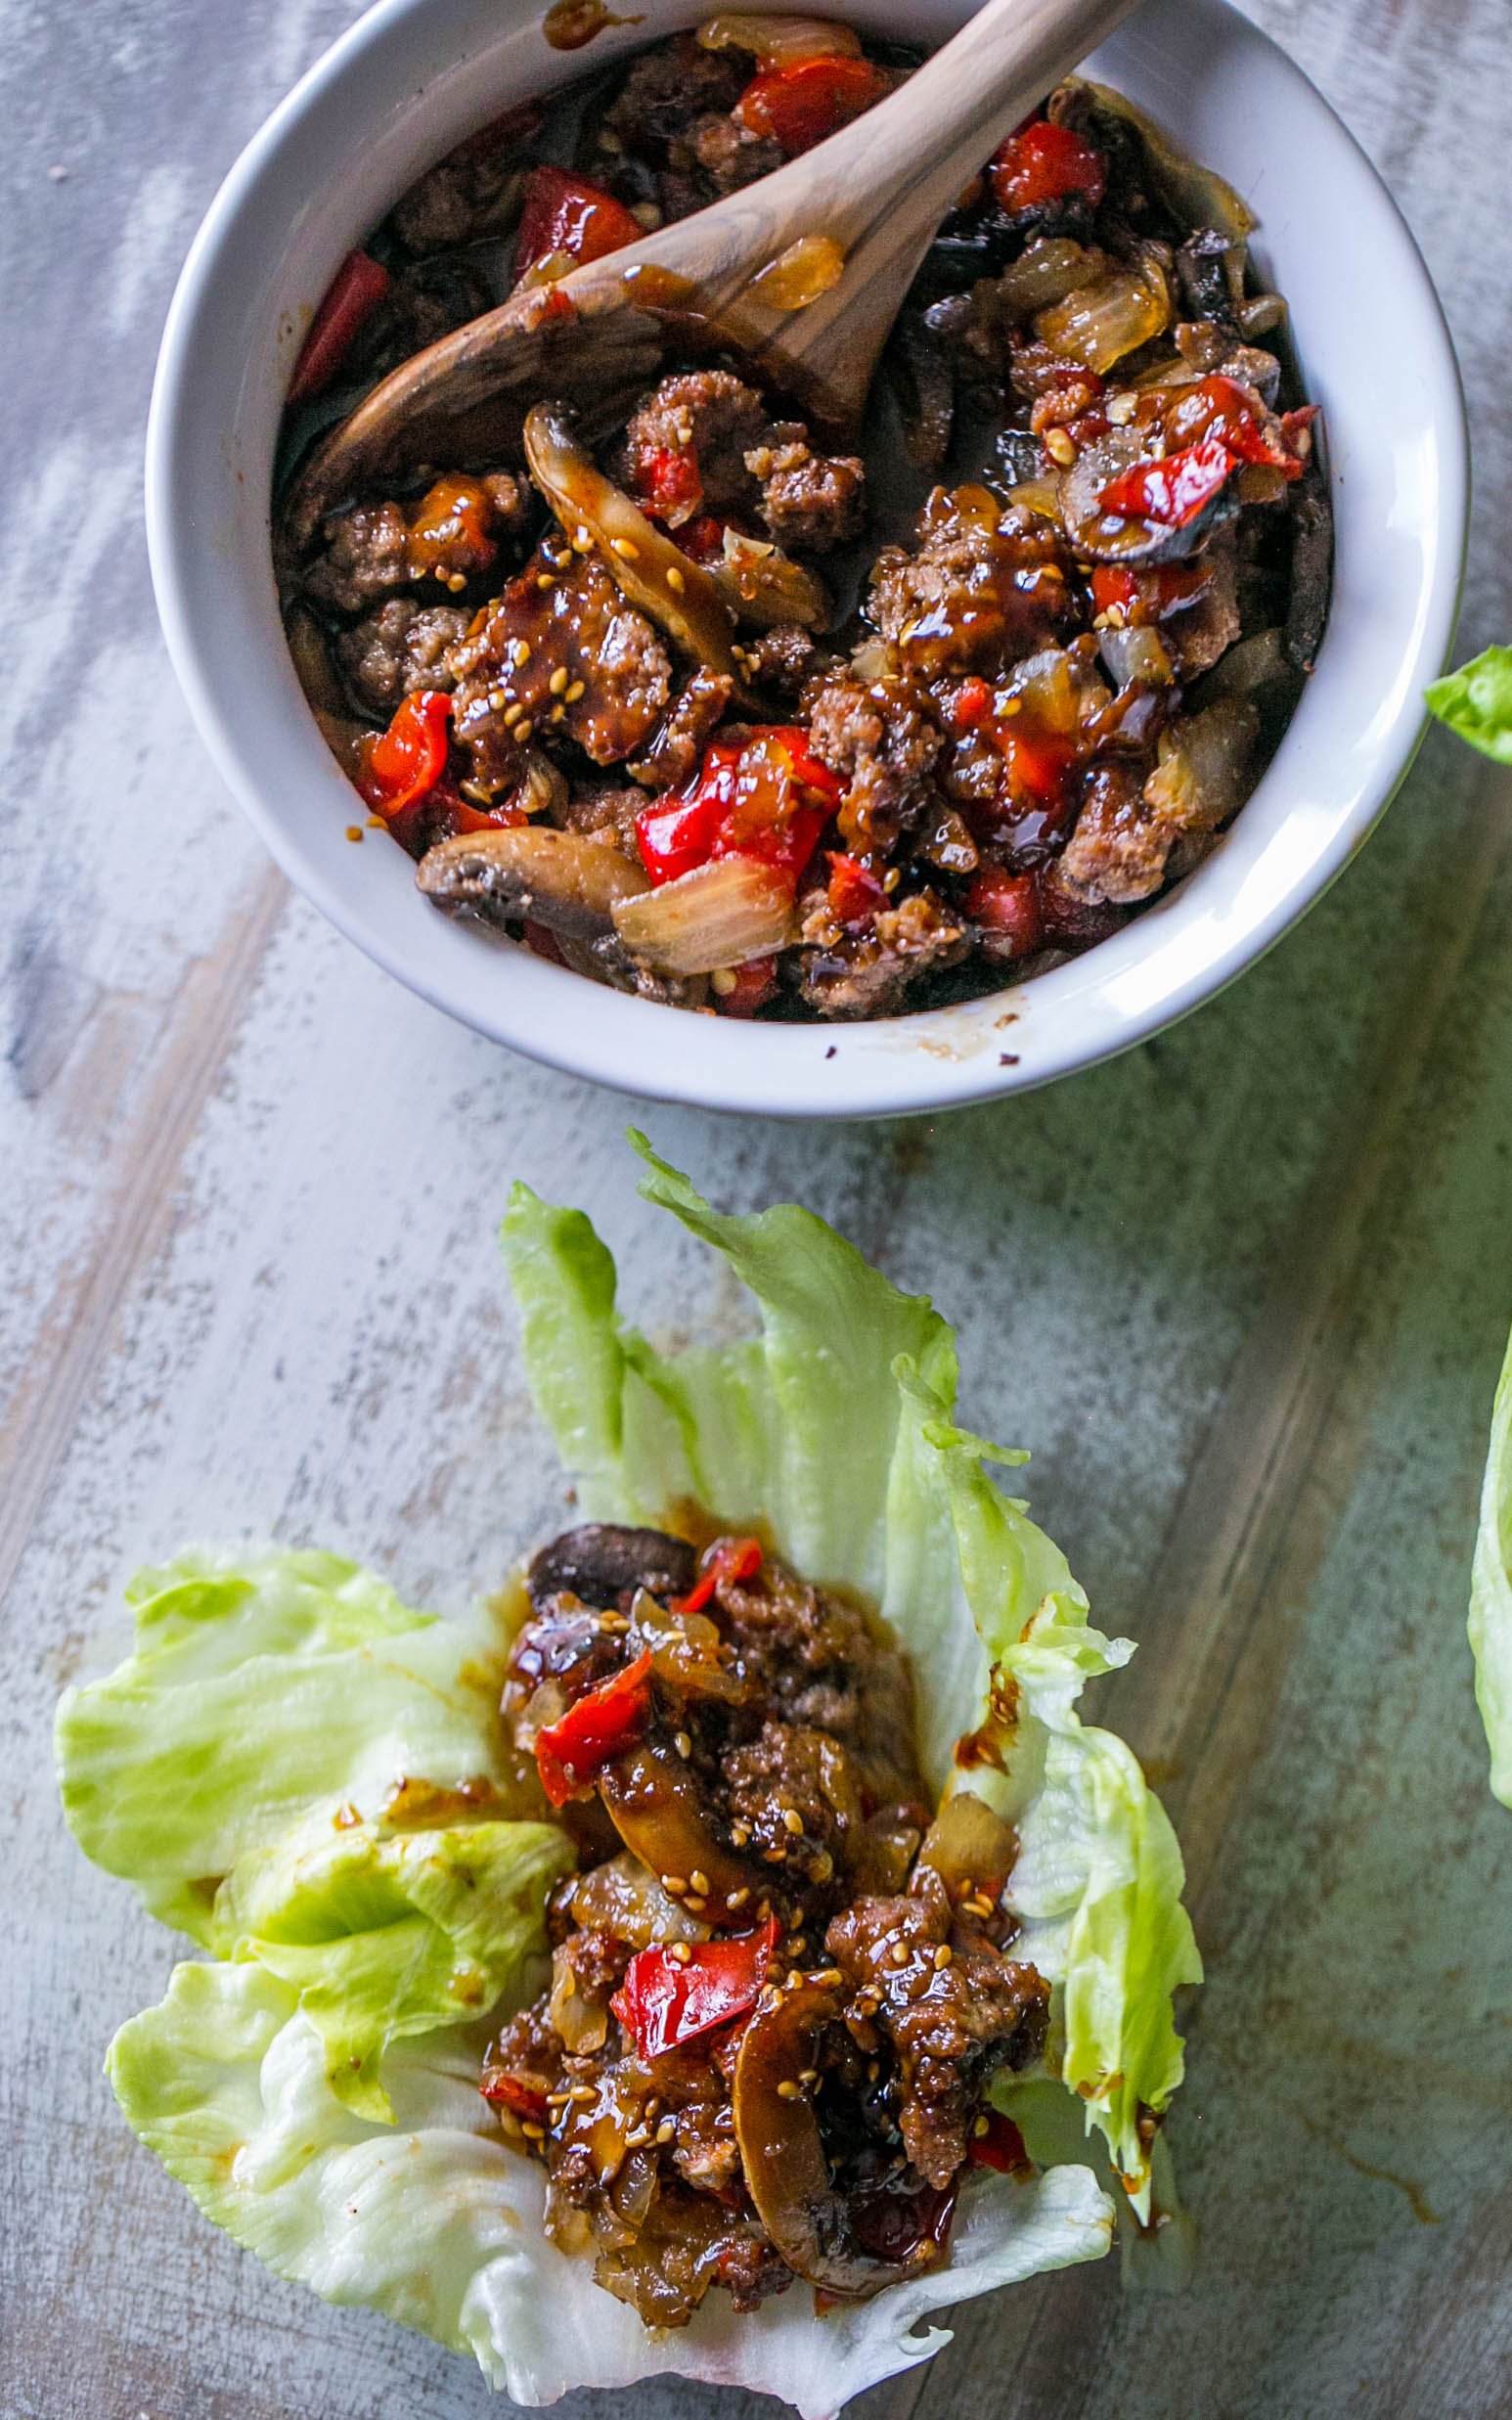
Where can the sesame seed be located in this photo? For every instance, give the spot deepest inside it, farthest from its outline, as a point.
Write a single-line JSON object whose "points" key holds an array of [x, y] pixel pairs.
{"points": [[737, 1899], [830, 1974], [793, 1820], [512, 713], [457, 583], [675, 580], [523, 651], [676, 1884], [614, 1622], [354, 831], [680, 1954], [900, 1953], [1121, 409], [682, 1744], [873, 2070], [943, 1955], [1053, 571], [823, 1868], [807, 2075], [639, 2139], [777, 1855], [666, 2130], [575, 692], [793, 1981], [891, 878], [798, 1946], [558, 680], [626, 548], [584, 2092], [724, 981], [498, 700], [787, 2090], [522, 730], [740, 1833], [1061, 446], [695, 1903], [1011, 705], [532, 2132], [582, 539], [545, 579], [700, 1881], [981, 2126]]}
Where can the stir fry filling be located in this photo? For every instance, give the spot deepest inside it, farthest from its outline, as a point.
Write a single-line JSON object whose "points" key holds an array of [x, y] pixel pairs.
{"points": [[780, 1987], [721, 709]]}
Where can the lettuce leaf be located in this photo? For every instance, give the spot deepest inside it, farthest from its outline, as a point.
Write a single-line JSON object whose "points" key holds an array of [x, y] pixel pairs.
{"points": [[1490, 1591], [837, 1429], [1477, 703], [304, 1774], [252, 1770]]}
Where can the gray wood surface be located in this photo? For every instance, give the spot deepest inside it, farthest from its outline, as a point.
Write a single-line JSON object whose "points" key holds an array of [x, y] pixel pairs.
{"points": [[1244, 1293]]}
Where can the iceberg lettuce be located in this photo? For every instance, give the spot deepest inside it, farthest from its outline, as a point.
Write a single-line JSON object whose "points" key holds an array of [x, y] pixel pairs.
{"points": [[305, 1775]]}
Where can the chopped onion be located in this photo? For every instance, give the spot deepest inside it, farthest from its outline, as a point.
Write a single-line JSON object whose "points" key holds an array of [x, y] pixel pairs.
{"points": [[780, 41], [1199, 782], [1098, 325], [721, 913], [800, 275], [1049, 271], [760, 584], [1136, 654]]}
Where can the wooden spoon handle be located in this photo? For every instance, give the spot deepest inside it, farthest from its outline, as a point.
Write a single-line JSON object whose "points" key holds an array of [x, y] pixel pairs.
{"points": [[878, 189]]}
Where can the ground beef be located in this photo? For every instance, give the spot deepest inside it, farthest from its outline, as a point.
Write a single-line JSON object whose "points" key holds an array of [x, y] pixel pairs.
{"points": [[365, 556], [972, 599], [677, 749], [669, 88], [710, 417], [782, 659], [730, 156], [399, 649], [951, 2026], [808, 501], [883, 738], [600, 807], [843, 975], [788, 1770], [470, 191], [570, 655], [1126, 828]]}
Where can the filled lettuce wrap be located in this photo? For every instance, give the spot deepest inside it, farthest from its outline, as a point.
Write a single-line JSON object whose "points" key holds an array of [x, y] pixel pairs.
{"points": [[313, 1782]]}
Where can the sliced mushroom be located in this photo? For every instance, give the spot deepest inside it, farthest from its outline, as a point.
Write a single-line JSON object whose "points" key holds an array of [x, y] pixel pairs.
{"points": [[783, 2154], [656, 1810], [602, 1562], [677, 592], [562, 879], [1109, 537], [1196, 196]]}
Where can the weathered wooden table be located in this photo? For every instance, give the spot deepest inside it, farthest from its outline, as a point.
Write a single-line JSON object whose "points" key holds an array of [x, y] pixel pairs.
{"points": [[1244, 1293]]}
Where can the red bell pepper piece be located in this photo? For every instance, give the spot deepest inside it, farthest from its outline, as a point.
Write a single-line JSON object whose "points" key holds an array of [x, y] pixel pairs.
{"points": [[1001, 2146], [664, 2002], [855, 892], [702, 540], [1219, 406], [1007, 904], [592, 1731], [1038, 764], [1148, 596], [734, 1559], [564, 213], [1044, 163], [1172, 492], [407, 760], [350, 301], [972, 704], [769, 799], [669, 482], [755, 983], [801, 104], [511, 2093]]}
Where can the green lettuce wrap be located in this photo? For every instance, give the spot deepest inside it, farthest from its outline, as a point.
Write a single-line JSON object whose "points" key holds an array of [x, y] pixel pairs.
{"points": [[307, 1777]]}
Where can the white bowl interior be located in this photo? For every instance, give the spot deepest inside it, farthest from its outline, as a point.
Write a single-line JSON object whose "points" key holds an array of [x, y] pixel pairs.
{"points": [[411, 78]]}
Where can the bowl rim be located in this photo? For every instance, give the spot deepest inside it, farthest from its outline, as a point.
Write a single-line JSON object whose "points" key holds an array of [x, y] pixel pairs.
{"points": [[916, 1063]]}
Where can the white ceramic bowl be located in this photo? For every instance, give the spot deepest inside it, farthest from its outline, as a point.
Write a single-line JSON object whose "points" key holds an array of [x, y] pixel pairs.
{"points": [[409, 80]]}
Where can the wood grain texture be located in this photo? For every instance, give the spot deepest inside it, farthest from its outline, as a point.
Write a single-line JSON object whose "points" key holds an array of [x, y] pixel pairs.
{"points": [[1243, 1292]]}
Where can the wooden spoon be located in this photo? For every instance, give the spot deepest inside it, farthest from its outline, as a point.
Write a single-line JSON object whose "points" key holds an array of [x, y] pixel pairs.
{"points": [[874, 194]]}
